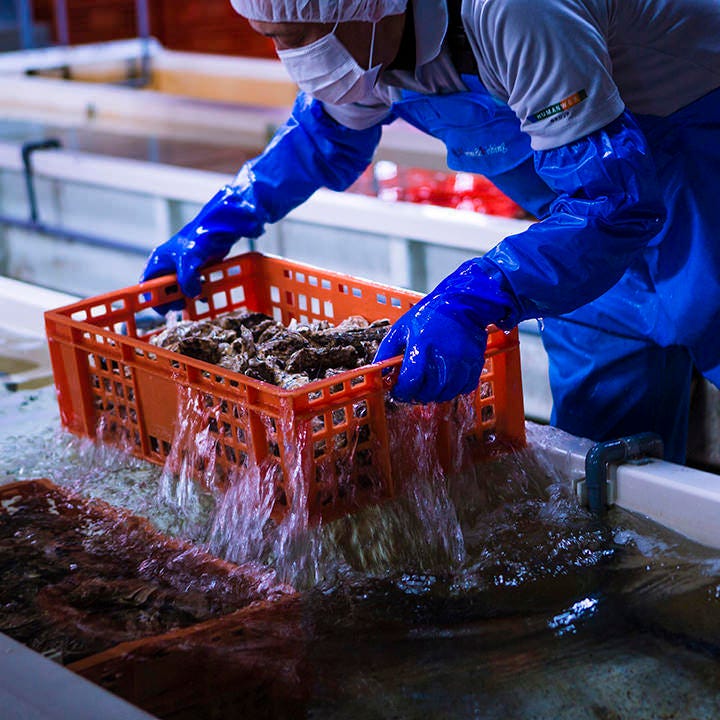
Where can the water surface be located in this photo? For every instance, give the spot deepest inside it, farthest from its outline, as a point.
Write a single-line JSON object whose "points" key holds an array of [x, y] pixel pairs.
{"points": [[486, 595]]}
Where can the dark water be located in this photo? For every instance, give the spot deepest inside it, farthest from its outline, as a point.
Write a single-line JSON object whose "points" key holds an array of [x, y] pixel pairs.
{"points": [[486, 595], [78, 577], [626, 636]]}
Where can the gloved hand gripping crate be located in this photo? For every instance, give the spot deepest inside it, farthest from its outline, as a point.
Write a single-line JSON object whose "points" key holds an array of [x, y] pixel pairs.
{"points": [[333, 432]]}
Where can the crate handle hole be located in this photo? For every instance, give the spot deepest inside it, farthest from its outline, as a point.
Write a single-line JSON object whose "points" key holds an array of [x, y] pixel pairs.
{"points": [[237, 295]]}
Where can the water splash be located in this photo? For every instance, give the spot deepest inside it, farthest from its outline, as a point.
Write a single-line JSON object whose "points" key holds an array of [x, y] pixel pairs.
{"points": [[419, 529], [413, 431], [244, 527], [241, 520], [506, 524], [189, 474], [448, 517]]}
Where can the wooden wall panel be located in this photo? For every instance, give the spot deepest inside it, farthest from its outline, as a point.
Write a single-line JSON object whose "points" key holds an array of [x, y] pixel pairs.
{"points": [[209, 26]]}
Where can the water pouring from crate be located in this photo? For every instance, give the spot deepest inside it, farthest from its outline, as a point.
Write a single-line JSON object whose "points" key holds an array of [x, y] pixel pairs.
{"points": [[329, 440]]}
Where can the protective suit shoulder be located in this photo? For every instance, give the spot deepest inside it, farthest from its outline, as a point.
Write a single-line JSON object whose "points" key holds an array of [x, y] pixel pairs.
{"points": [[550, 62]]}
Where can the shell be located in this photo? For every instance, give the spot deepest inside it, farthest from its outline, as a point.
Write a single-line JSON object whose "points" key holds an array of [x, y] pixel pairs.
{"points": [[257, 346]]}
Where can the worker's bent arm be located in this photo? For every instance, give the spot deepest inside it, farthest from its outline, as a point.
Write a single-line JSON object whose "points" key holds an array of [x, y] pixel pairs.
{"points": [[310, 151], [609, 207]]}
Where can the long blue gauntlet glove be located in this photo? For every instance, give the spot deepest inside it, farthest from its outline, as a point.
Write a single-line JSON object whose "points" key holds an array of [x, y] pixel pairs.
{"points": [[608, 209], [231, 214], [444, 336], [310, 151]]}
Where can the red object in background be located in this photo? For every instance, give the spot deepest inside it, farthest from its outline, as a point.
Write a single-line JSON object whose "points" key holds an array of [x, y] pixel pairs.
{"points": [[462, 191], [191, 25], [207, 27]]}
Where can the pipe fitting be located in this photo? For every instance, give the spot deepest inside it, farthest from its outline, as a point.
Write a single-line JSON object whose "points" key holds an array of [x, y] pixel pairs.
{"points": [[615, 452]]}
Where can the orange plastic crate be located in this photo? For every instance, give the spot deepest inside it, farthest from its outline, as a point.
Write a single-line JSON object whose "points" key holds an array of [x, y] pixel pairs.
{"points": [[334, 432]]}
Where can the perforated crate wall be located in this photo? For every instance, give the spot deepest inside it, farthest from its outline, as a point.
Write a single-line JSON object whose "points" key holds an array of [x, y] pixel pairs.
{"points": [[111, 380]]}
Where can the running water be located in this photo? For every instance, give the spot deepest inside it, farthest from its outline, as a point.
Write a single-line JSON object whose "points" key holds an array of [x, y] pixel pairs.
{"points": [[243, 527], [440, 523], [420, 529], [190, 467], [507, 523], [470, 585]]}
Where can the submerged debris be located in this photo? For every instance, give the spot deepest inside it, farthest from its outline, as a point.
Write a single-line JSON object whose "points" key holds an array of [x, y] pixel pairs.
{"points": [[78, 576], [257, 346]]}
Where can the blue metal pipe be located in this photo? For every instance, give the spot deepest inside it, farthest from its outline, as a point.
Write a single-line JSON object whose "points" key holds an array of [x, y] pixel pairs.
{"points": [[24, 12], [143, 18], [143, 29]]}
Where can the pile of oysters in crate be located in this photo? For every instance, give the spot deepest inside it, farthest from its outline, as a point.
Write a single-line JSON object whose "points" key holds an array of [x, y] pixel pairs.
{"points": [[290, 356]]}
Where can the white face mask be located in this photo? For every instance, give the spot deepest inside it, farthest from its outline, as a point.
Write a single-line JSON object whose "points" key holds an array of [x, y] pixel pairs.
{"points": [[327, 71]]}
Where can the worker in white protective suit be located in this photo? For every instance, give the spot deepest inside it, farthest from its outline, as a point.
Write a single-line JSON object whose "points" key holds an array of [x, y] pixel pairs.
{"points": [[602, 117]]}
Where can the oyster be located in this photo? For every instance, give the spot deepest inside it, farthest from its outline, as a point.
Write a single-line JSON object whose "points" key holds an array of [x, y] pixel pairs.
{"points": [[257, 346]]}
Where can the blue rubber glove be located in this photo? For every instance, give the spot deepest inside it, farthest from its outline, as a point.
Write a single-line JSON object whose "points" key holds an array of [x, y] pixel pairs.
{"points": [[444, 336], [609, 207], [310, 151], [230, 214]]}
